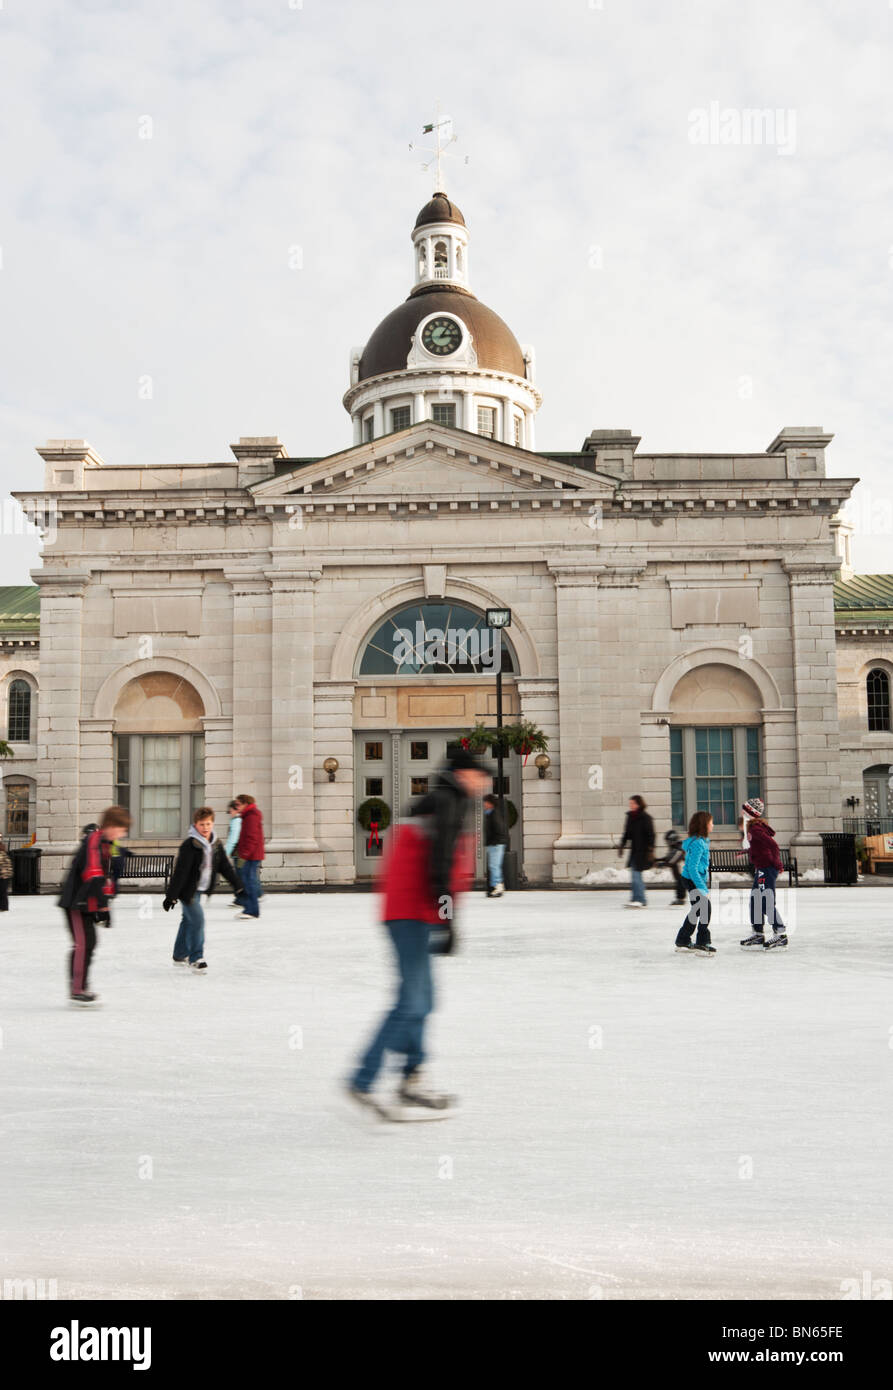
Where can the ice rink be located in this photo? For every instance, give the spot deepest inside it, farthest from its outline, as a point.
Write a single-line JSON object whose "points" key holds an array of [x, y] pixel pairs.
{"points": [[635, 1124]]}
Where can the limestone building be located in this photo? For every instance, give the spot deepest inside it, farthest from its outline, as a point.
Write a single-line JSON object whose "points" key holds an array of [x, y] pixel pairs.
{"points": [[313, 630]]}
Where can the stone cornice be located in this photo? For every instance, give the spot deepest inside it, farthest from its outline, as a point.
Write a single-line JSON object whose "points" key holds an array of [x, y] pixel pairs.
{"points": [[811, 571]]}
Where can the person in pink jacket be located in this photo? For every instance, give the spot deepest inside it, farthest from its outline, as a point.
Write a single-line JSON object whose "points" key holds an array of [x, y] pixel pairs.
{"points": [[765, 859]]}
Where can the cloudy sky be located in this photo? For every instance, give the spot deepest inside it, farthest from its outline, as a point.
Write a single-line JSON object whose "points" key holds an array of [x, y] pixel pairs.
{"points": [[702, 294]]}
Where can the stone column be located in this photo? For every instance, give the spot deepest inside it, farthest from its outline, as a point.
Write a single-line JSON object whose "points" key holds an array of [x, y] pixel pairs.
{"points": [[292, 828], [97, 765], [654, 777], [59, 810], [219, 778], [780, 772], [418, 407], [540, 796], [378, 419], [814, 660], [335, 809], [252, 688], [579, 716]]}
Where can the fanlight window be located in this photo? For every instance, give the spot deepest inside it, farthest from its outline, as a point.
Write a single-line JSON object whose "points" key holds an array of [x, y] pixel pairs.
{"points": [[428, 639]]}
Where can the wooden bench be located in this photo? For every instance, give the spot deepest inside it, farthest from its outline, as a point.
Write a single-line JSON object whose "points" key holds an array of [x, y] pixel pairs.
{"points": [[880, 851], [730, 861], [144, 866]]}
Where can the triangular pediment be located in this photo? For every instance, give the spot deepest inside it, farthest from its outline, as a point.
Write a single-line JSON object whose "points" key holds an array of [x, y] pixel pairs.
{"points": [[429, 461]]}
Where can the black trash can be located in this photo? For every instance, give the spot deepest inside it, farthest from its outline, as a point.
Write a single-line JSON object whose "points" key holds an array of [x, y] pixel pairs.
{"points": [[839, 855], [26, 870], [510, 869]]}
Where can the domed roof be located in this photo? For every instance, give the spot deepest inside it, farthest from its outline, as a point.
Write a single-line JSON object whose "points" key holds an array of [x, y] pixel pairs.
{"points": [[439, 209], [494, 342]]}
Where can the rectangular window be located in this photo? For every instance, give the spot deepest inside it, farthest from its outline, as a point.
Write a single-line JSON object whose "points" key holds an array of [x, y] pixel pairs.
{"points": [[487, 421], [516, 430], [368, 428], [418, 751], [374, 786], [677, 779], [401, 417], [373, 753], [713, 770], [443, 414], [17, 809], [19, 726], [160, 779], [418, 786]]}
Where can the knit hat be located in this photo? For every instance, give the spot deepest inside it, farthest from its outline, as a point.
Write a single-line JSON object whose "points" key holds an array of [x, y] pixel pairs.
{"points": [[753, 807], [462, 759]]}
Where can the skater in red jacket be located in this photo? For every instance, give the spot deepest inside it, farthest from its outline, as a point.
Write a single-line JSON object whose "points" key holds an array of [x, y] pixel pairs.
{"points": [[87, 894], [250, 850], [765, 860], [428, 863]]}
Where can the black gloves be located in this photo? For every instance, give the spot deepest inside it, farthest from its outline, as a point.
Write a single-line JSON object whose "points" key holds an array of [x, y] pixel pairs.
{"points": [[169, 903]]}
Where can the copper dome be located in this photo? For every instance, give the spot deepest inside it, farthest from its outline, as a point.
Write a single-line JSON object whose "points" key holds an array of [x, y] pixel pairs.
{"points": [[494, 342], [439, 209]]}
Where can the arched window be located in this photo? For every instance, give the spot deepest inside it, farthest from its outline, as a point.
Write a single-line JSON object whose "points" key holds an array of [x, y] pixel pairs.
{"points": [[423, 258], [159, 751], [877, 687], [459, 261], [441, 260], [715, 744], [428, 639], [19, 726]]}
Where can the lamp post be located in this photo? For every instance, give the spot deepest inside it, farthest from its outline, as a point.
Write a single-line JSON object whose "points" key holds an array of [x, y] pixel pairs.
{"points": [[497, 619]]}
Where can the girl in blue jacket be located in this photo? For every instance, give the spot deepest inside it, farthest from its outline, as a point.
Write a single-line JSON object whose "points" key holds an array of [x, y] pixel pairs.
{"points": [[694, 881]]}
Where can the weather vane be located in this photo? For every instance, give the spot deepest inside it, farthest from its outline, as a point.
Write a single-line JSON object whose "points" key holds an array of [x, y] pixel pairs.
{"points": [[442, 130]]}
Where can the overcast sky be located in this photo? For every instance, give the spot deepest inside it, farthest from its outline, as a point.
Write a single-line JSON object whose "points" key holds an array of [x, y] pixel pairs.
{"points": [[701, 294]]}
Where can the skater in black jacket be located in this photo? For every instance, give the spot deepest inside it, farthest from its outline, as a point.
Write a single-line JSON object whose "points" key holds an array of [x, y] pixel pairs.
{"points": [[86, 896], [638, 832], [672, 860], [496, 838], [200, 858]]}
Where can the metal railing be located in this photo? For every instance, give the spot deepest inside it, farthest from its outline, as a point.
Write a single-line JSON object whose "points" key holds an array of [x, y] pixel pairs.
{"points": [[868, 825]]}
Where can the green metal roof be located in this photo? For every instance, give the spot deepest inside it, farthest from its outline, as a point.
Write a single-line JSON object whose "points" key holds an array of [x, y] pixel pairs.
{"points": [[866, 600], [19, 608]]}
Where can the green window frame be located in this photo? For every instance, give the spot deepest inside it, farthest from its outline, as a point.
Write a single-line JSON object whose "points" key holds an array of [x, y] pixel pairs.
{"points": [[714, 769]]}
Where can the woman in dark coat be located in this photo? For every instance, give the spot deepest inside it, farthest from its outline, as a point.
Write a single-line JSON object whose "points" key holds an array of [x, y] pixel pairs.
{"points": [[638, 833]]}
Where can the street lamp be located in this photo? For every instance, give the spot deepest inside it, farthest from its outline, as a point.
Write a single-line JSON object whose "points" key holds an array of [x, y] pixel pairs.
{"points": [[498, 618]]}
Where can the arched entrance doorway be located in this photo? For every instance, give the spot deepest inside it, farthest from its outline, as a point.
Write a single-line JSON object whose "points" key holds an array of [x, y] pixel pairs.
{"points": [[425, 674], [877, 798]]}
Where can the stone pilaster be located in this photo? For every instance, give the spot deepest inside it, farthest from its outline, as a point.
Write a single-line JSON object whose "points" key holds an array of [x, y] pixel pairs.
{"points": [[815, 697], [252, 688], [541, 796], [97, 765], [219, 787], [292, 826], [60, 814], [333, 737]]}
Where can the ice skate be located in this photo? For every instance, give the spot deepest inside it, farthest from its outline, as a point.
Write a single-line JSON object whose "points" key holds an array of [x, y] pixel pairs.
{"points": [[84, 1000], [778, 939], [200, 966], [181, 960], [497, 891], [684, 948], [418, 1102], [368, 1102], [704, 950], [756, 940]]}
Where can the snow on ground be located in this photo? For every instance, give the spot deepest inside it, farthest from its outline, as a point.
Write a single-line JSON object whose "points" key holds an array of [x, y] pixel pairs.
{"points": [[635, 1124]]}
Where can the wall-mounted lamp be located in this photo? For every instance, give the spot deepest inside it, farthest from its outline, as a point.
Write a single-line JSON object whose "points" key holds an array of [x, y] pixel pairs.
{"points": [[542, 761], [331, 767], [852, 802]]}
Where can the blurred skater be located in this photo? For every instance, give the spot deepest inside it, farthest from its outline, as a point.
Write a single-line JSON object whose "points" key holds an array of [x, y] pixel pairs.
{"points": [[200, 858], [765, 859], [672, 860], [694, 880], [5, 877], [496, 838], [428, 862], [87, 894], [639, 832], [250, 849], [234, 829]]}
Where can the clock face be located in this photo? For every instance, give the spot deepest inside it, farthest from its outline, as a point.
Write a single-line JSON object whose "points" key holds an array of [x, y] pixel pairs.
{"points": [[442, 336]]}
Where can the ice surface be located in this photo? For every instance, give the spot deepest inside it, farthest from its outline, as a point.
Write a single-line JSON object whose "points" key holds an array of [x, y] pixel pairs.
{"points": [[635, 1123]]}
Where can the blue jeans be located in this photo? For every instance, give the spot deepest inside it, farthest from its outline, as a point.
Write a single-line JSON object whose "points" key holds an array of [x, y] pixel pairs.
{"points": [[402, 1029], [762, 900], [248, 898], [190, 942], [495, 856], [638, 885]]}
